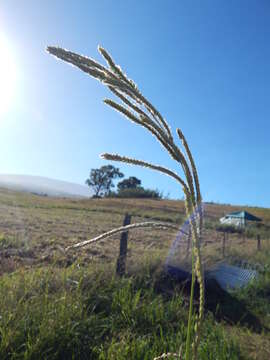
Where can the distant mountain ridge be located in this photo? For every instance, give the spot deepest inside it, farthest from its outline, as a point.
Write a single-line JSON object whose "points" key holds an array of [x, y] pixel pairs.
{"points": [[44, 186]]}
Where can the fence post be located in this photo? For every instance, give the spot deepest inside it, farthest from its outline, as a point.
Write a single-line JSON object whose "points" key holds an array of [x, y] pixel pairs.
{"points": [[223, 244], [258, 242], [121, 261]]}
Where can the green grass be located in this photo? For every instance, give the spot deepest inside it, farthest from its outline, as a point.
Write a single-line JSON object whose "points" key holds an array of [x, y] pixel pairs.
{"points": [[56, 305], [90, 314]]}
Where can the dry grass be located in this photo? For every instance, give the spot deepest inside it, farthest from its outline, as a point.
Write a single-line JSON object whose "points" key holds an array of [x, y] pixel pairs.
{"points": [[35, 229]]}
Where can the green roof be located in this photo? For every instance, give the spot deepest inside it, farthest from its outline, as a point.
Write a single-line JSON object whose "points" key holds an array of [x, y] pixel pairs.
{"points": [[243, 215]]}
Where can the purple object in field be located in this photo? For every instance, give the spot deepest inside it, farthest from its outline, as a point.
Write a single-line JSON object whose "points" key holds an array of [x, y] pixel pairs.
{"points": [[228, 277], [184, 231]]}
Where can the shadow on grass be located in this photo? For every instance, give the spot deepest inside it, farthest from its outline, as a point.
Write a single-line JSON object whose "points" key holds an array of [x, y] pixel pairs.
{"points": [[227, 307], [223, 305]]}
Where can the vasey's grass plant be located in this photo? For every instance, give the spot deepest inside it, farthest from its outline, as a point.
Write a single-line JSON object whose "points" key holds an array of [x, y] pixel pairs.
{"points": [[139, 110]]}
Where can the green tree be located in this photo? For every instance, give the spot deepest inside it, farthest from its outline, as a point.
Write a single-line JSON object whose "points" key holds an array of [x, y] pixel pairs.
{"points": [[101, 180], [131, 183]]}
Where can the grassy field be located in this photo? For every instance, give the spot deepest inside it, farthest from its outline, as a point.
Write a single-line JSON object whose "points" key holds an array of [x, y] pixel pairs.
{"points": [[57, 305]]}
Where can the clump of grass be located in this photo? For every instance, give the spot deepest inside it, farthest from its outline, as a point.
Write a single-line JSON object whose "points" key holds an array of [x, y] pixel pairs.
{"points": [[7, 242], [140, 111], [87, 313], [256, 295]]}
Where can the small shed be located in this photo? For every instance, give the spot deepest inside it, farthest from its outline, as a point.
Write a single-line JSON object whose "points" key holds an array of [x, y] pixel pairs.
{"points": [[238, 218]]}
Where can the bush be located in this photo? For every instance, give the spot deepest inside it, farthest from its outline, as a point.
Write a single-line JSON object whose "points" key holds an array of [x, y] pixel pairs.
{"points": [[138, 192]]}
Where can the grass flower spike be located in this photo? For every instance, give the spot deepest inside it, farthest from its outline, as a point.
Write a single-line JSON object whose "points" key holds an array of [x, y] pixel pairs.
{"points": [[136, 108]]}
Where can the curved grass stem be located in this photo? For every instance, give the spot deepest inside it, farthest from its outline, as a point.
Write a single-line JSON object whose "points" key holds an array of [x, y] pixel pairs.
{"points": [[140, 111]]}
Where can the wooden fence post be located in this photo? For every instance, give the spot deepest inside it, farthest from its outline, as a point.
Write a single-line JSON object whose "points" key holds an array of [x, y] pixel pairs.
{"points": [[258, 242], [121, 261], [244, 236], [223, 244]]}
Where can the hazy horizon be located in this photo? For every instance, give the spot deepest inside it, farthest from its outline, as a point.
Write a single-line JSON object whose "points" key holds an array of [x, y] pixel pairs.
{"points": [[44, 185]]}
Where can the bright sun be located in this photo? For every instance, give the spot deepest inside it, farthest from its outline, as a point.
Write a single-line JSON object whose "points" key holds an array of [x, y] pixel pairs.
{"points": [[7, 75]]}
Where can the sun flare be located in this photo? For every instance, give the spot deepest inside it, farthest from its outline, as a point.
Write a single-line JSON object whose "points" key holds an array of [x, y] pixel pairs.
{"points": [[7, 75]]}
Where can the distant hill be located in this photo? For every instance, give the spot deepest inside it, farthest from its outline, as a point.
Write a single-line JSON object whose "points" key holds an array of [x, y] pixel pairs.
{"points": [[43, 186]]}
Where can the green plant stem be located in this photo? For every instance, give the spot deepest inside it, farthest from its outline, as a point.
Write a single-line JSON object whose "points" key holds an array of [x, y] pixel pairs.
{"points": [[187, 357]]}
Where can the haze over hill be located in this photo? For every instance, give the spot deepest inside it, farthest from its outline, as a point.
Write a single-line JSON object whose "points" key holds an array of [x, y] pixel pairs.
{"points": [[43, 186]]}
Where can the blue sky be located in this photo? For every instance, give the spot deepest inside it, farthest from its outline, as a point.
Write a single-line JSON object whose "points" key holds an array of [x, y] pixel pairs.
{"points": [[204, 65]]}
